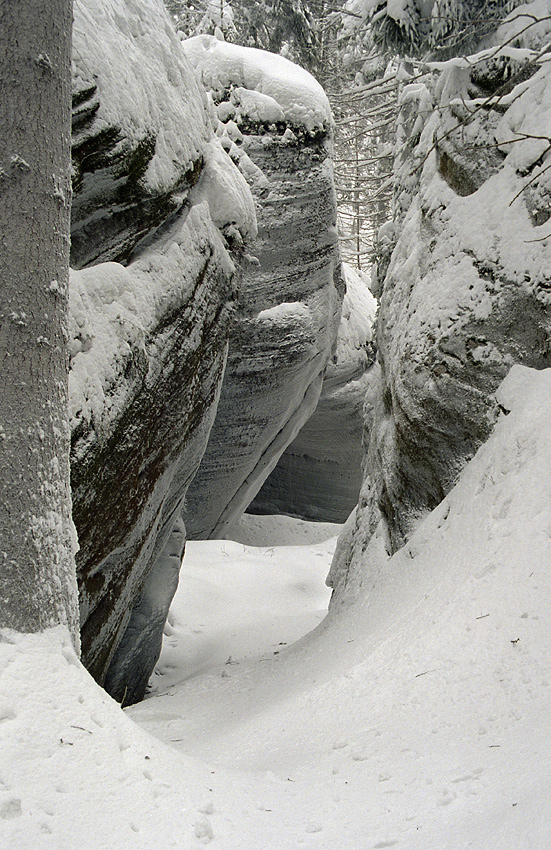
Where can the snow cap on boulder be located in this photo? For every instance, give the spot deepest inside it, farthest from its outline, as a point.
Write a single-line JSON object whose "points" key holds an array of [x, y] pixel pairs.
{"points": [[285, 92]]}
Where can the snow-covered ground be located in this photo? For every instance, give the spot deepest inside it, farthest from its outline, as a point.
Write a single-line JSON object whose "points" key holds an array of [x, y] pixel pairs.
{"points": [[416, 715], [238, 600]]}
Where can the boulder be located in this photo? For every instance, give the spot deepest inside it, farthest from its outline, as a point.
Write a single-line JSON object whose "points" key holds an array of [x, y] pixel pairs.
{"points": [[150, 316], [318, 477], [466, 295], [274, 121]]}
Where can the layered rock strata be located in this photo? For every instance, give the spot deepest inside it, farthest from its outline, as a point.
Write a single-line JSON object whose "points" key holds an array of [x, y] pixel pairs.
{"points": [[466, 294], [318, 477], [274, 121], [148, 339], [139, 128]]}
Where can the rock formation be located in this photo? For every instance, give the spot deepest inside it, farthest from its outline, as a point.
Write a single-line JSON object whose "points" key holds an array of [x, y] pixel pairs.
{"points": [[466, 294], [274, 120], [148, 339], [318, 477], [139, 128], [163, 222]]}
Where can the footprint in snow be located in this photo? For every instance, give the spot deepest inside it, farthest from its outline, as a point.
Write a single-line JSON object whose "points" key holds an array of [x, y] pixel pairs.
{"points": [[203, 831], [10, 808]]}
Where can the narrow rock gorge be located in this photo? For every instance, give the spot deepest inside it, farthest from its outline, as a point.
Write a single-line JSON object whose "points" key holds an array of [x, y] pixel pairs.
{"points": [[211, 367], [181, 316]]}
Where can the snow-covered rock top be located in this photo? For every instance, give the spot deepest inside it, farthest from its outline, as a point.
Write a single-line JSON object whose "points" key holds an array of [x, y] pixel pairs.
{"points": [[130, 52], [223, 187], [113, 310], [268, 88]]}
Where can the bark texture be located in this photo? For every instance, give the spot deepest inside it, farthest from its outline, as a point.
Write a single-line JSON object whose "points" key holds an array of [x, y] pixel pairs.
{"points": [[37, 585]]}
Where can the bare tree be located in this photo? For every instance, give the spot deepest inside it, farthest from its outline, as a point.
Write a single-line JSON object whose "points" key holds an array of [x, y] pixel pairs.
{"points": [[37, 572]]}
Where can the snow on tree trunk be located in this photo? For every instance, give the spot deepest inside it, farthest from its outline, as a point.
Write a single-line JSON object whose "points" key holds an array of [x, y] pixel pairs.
{"points": [[37, 575]]}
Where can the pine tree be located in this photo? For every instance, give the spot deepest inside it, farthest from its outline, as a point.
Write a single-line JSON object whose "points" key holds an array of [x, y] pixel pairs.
{"points": [[280, 26], [37, 569], [441, 27]]}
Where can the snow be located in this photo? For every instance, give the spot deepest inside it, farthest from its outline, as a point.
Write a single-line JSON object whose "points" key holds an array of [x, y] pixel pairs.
{"points": [[474, 229], [112, 307], [273, 589], [145, 86], [144, 83], [258, 106], [524, 129], [358, 314], [287, 311], [416, 715], [226, 192], [266, 87], [261, 531], [527, 26], [509, 238], [469, 226]]}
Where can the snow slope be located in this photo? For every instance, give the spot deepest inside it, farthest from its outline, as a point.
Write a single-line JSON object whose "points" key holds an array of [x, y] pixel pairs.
{"points": [[415, 716]]}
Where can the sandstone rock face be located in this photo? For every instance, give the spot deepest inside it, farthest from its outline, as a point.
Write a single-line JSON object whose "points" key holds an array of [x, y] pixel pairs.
{"points": [[148, 339], [319, 476], [276, 125], [139, 128], [139, 436], [140, 646], [465, 297]]}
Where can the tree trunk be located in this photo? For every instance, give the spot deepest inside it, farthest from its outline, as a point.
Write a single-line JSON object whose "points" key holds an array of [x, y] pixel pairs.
{"points": [[37, 572]]}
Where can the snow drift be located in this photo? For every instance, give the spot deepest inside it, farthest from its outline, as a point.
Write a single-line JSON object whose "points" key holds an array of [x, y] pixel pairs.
{"points": [[425, 700]]}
